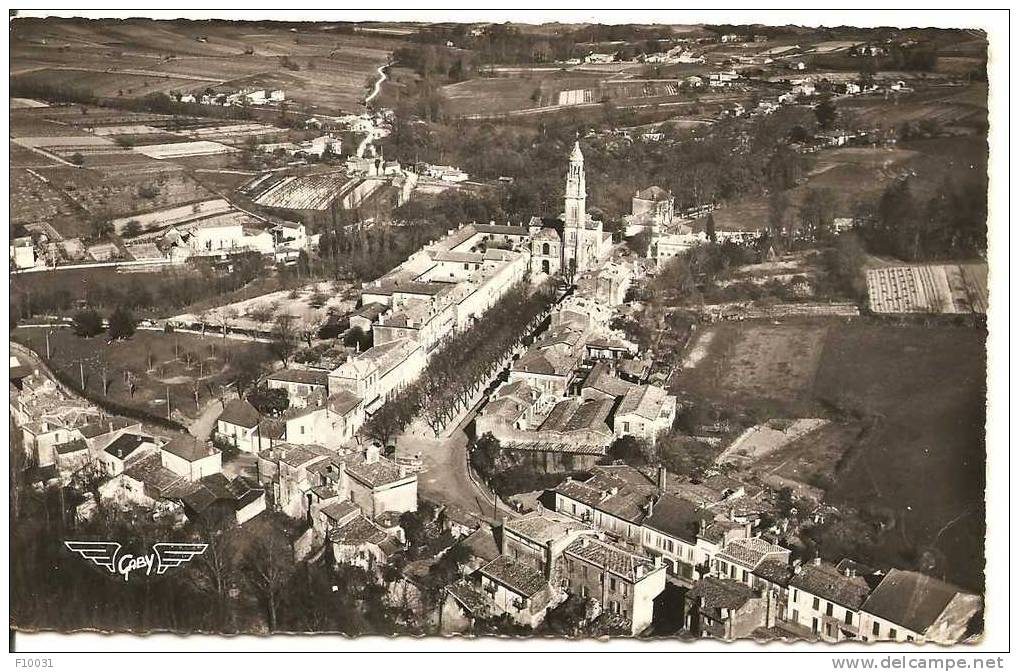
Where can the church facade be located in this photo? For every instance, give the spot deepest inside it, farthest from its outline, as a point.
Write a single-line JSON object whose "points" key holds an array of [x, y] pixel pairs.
{"points": [[576, 242]]}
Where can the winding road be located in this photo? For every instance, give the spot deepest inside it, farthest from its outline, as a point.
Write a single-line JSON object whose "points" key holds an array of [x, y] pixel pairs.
{"points": [[376, 90]]}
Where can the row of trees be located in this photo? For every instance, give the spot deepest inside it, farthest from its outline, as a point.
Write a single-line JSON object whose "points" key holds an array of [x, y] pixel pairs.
{"points": [[458, 370], [950, 223]]}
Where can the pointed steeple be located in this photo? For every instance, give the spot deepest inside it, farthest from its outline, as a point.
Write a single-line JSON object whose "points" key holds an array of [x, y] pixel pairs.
{"points": [[576, 155]]}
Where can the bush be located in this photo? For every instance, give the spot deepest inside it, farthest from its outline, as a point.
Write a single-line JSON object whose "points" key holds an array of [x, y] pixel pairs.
{"points": [[122, 323], [87, 323]]}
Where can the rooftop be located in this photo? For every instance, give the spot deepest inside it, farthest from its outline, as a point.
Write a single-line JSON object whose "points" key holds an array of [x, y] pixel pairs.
{"points": [[188, 448], [719, 593], [357, 531], [910, 599], [827, 582], [646, 401], [520, 578], [305, 376], [543, 526], [751, 551], [374, 474], [125, 444], [611, 558], [241, 413]]}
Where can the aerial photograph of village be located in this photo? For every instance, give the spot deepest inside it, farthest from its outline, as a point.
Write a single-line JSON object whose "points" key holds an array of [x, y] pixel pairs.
{"points": [[570, 330]]}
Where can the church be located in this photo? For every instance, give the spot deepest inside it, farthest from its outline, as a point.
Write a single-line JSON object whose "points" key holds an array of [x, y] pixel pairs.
{"points": [[576, 242]]}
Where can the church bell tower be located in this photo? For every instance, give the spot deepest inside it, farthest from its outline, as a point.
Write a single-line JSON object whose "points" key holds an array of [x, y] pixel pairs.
{"points": [[576, 208]]}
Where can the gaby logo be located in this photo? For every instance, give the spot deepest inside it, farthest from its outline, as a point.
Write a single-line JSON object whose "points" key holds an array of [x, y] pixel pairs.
{"points": [[107, 554]]}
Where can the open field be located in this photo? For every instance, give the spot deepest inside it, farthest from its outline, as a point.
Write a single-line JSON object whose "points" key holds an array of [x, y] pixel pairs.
{"points": [[180, 365], [316, 67], [920, 389], [964, 106]]}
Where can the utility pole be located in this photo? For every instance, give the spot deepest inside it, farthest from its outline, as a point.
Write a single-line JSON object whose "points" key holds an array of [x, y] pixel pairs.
{"points": [[48, 332], [81, 370], [168, 402]]}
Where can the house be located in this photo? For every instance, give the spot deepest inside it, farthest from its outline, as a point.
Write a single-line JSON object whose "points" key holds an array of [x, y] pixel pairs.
{"points": [[826, 601], [238, 499], [908, 606], [463, 605], [23, 253], [726, 609], [300, 384], [144, 482], [547, 370], [646, 411], [741, 557], [192, 460], [511, 406], [238, 425], [359, 542], [601, 384], [378, 485], [124, 449], [614, 499], [622, 582], [516, 589], [686, 535], [723, 78]]}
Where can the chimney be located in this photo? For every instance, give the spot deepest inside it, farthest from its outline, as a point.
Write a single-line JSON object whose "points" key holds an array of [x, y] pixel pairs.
{"points": [[650, 506], [817, 561], [662, 477]]}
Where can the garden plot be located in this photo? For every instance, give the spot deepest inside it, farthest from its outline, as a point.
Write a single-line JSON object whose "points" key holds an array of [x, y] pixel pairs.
{"points": [[32, 199], [234, 131], [309, 192], [161, 219], [66, 143], [762, 440], [130, 129], [931, 288], [309, 305], [179, 150], [575, 97]]}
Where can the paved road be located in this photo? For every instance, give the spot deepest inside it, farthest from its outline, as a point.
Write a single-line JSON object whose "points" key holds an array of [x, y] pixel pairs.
{"points": [[446, 478]]}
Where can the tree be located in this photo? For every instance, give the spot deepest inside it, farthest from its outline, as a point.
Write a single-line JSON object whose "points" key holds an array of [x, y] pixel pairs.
{"points": [[122, 323], [817, 214], [215, 571], [87, 323], [709, 228], [268, 566], [284, 337], [269, 401], [355, 337], [826, 114], [77, 159], [390, 420], [246, 368], [633, 451]]}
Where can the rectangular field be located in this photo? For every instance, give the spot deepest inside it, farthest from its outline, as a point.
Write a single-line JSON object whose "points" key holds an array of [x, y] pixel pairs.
{"points": [[929, 288], [310, 192], [180, 150]]}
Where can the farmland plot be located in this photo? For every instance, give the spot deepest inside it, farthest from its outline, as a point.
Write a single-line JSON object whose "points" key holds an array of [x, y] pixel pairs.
{"points": [[161, 219], [310, 192], [179, 150], [929, 288]]}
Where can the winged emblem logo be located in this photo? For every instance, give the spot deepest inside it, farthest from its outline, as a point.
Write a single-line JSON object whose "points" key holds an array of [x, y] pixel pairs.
{"points": [[107, 555]]}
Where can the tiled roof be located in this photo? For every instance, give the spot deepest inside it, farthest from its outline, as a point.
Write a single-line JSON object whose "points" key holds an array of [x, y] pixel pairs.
{"points": [[520, 578], [338, 511], [547, 446], [678, 518], [774, 570], [71, 447], [910, 599], [610, 558], [241, 413], [749, 552], [374, 474], [543, 526], [357, 531], [620, 491], [546, 362], [153, 474], [572, 415], [719, 593], [645, 401], [189, 448], [828, 583], [482, 543], [470, 598], [654, 193], [343, 402], [100, 427], [305, 376]]}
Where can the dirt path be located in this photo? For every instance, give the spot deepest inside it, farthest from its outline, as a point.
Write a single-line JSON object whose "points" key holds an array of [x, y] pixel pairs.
{"points": [[202, 426]]}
